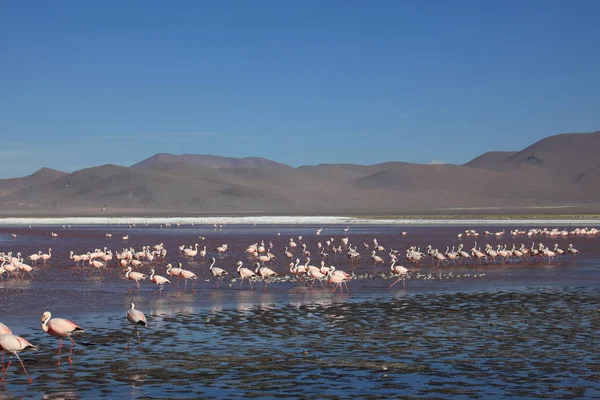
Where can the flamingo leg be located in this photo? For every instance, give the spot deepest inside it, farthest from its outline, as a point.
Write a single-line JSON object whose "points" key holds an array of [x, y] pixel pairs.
{"points": [[398, 280], [139, 340], [2, 360], [31, 275], [24, 369], [6, 370], [321, 282], [59, 349], [241, 282], [250, 282], [131, 337], [71, 352]]}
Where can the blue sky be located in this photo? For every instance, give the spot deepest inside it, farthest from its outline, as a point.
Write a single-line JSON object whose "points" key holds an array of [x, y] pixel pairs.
{"points": [[301, 82]]}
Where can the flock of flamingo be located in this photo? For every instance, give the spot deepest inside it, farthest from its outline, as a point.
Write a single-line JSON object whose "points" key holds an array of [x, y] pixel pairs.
{"points": [[261, 256], [60, 328]]}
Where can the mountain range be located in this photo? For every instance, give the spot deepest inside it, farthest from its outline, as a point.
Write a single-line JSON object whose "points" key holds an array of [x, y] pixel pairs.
{"points": [[556, 175]]}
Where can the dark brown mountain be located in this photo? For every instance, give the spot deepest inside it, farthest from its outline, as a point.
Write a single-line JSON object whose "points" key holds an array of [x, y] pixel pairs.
{"points": [[558, 174], [210, 161], [42, 175]]}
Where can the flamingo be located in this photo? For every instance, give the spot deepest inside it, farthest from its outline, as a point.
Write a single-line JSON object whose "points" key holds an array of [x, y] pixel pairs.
{"points": [[400, 272], [35, 257], [376, 259], [96, 264], [4, 330], [159, 280], [338, 278], [26, 268], [46, 257], [191, 253], [464, 254], [265, 273], [573, 251], [61, 328], [316, 275], [217, 272], [14, 344], [137, 318], [135, 276], [558, 251], [245, 273], [439, 257], [185, 274]]}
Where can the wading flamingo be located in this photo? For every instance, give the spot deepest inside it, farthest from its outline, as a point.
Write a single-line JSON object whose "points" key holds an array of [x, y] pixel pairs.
{"points": [[4, 330], [400, 272], [265, 273], [217, 272], [14, 344], [185, 274], [61, 328], [137, 318], [245, 273], [135, 276], [159, 280]]}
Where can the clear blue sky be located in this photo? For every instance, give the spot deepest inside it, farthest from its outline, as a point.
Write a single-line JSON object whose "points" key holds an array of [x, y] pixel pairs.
{"points": [[84, 83]]}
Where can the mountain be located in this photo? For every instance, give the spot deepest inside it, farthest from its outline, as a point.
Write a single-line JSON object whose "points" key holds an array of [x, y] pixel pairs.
{"points": [[558, 174], [490, 160], [42, 175], [209, 161], [568, 157]]}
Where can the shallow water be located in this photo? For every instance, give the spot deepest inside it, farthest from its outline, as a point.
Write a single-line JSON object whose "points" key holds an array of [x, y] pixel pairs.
{"points": [[486, 331]]}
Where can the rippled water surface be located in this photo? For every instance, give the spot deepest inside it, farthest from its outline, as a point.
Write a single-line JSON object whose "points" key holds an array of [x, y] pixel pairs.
{"points": [[484, 331]]}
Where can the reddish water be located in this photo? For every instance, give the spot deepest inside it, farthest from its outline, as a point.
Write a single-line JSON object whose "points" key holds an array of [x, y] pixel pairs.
{"points": [[438, 336]]}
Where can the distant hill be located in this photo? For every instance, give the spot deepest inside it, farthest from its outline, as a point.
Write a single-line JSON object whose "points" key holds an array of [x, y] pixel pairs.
{"points": [[42, 175], [491, 160], [567, 157], [209, 161], [557, 174]]}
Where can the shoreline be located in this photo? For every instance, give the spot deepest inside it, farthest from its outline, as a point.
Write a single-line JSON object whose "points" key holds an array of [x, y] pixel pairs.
{"points": [[304, 220]]}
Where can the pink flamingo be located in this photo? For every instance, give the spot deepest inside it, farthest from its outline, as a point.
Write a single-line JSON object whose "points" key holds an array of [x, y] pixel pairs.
{"points": [[337, 281], [265, 273], [61, 328], [376, 259], [137, 318], [97, 264], [4, 330], [14, 344], [159, 280], [25, 268], [135, 276], [346, 277], [46, 257], [217, 272], [316, 275], [572, 250], [400, 272], [185, 274], [245, 273], [35, 257]]}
